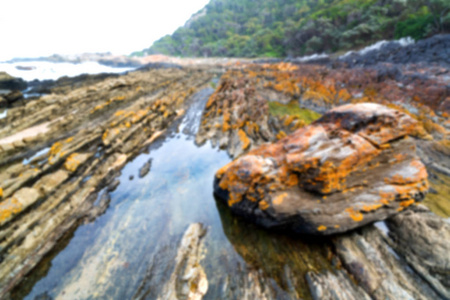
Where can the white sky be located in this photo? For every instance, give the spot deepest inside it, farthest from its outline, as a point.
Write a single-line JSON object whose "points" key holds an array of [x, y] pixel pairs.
{"points": [[32, 28]]}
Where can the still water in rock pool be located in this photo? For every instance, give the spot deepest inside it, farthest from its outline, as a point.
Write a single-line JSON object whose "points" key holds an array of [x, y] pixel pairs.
{"points": [[129, 251]]}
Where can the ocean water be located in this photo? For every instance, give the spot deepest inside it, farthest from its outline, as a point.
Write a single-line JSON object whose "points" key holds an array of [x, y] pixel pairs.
{"points": [[42, 70]]}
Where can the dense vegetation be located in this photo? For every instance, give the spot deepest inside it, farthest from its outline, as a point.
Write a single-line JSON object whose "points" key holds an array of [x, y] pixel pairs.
{"points": [[277, 28]]}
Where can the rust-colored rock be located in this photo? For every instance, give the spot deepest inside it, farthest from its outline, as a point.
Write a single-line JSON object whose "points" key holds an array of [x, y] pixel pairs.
{"points": [[355, 165]]}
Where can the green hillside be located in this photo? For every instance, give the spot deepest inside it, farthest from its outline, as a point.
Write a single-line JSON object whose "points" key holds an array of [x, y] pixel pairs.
{"points": [[278, 28]]}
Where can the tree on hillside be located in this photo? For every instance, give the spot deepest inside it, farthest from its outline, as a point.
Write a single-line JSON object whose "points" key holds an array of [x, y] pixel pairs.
{"points": [[276, 28]]}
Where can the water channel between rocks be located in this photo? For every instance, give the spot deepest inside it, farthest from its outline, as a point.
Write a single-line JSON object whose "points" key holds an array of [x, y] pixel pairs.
{"points": [[128, 252]]}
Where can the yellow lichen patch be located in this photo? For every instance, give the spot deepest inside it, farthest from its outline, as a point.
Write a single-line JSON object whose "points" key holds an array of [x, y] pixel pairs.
{"points": [[119, 113], [252, 128], [263, 205], [222, 170], [355, 215], [234, 198], [212, 99], [105, 134], [279, 199], [281, 135], [289, 120], [69, 140], [9, 208], [289, 87], [432, 127], [226, 127], [337, 226], [407, 203], [120, 98], [344, 95], [385, 198], [399, 157], [1, 192], [244, 139], [321, 228], [72, 163], [292, 180], [55, 148], [369, 208]]}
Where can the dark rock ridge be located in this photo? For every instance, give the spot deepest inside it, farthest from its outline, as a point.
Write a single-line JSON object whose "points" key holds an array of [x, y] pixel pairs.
{"points": [[432, 50], [355, 165], [8, 82], [66, 84]]}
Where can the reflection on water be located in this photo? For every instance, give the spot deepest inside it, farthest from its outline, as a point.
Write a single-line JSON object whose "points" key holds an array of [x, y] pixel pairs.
{"points": [[128, 252], [3, 113], [281, 259], [38, 154]]}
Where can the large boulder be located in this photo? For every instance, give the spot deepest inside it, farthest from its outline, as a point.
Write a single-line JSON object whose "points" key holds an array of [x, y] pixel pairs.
{"points": [[355, 165], [8, 82]]}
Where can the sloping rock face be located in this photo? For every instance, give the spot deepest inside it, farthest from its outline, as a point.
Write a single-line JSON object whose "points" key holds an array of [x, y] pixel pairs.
{"points": [[355, 165], [429, 257], [8, 82]]}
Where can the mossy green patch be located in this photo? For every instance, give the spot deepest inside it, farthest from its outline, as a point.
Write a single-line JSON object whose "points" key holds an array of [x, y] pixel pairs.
{"points": [[438, 201], [293, 109]]}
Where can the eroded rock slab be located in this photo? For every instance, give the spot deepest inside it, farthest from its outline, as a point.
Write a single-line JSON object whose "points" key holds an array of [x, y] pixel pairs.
{"points": [[355, 165], [429, 253], [188, 280]]}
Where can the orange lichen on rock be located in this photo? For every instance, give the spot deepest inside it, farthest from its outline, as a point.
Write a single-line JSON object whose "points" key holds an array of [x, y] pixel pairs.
{"points": [[288, 121], [407, 203], [369, 208], [72, 162], [263, 205], [355, 215], [244, 139], [279, 199], [321, 228], [340, 158], [55, 148], [281, 135], [8, 208], [344, 95]]}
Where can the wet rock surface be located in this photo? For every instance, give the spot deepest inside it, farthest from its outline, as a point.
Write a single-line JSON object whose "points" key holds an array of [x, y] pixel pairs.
{"points": [[355, 165], [73, 227], [188, 280]]}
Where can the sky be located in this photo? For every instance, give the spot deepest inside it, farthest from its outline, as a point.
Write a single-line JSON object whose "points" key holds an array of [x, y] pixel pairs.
{"points": [[33, 28]]}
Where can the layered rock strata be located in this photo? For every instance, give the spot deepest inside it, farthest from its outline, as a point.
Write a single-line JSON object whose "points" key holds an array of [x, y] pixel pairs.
{"points": [[58, 151]]}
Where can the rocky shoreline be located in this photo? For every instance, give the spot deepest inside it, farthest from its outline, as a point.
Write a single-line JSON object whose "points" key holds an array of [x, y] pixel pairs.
{"points": [[60, 150]]}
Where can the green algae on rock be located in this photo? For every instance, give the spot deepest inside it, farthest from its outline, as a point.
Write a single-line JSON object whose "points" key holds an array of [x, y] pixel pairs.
{"points": [[293, 109]]}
